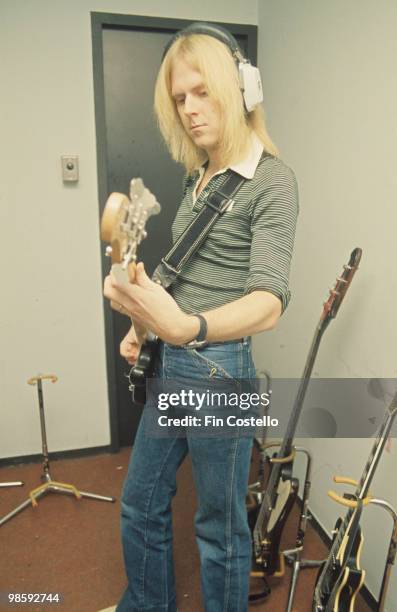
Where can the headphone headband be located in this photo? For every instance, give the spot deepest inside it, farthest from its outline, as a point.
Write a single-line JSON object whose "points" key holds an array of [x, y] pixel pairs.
{"points": [[208, 29]]}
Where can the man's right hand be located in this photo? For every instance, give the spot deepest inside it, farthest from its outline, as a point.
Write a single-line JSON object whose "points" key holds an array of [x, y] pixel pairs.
{"points": [[131, 344]]}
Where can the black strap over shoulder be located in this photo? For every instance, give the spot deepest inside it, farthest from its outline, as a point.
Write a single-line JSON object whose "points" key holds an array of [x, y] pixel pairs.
{"points": [[216, 204]]}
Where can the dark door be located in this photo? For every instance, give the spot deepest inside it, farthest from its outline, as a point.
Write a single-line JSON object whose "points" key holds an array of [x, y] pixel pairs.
{"points": [[127, 53]]}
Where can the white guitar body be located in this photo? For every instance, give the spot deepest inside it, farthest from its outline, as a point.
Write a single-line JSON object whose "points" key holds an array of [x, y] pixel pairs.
{"points": [[283, 492]]}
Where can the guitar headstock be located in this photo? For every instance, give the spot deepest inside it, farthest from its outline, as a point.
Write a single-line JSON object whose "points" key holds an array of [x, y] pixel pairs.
{"points": [[124, 220], [342, 284]]}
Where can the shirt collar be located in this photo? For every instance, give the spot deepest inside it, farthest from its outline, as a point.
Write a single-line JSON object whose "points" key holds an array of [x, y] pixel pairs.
{"points": [[247, 166]]}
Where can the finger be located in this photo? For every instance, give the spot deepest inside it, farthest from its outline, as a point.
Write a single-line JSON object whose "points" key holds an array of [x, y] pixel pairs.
{"points": [[119, 307], [130, 352], [141, 277], [113, 281], [130, 291], [132, 356], [110, 290], [107, 284], [131, 271], [117, 295]]}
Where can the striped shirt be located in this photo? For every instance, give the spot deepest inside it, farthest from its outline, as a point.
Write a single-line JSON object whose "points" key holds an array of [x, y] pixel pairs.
{"points": [[250, 246]]}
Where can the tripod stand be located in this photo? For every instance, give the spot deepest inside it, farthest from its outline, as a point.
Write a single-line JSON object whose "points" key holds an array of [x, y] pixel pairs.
{"points": [[50, 485]]}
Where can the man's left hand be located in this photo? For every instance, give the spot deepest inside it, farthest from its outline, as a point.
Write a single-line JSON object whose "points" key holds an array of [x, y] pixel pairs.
{"points": [[147, 303]]}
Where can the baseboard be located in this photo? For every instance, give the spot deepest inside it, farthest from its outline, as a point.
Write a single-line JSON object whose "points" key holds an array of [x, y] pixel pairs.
{"points": [[69, 454], [368, 597]]}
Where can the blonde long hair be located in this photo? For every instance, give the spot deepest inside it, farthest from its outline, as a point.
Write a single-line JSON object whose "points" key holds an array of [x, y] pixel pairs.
{"points": [[215, 63]]}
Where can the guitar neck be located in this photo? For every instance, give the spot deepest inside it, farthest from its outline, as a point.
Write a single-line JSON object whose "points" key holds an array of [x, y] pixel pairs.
{"points": [[286, 446], [377, 450], [329, 312]]}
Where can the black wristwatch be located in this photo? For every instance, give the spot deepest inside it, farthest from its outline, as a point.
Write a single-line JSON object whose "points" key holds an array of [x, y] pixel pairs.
{"points": [[200, 340]]}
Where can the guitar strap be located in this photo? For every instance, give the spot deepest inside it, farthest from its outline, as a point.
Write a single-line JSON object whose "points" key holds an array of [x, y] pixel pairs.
{"points": [[217, 203]]}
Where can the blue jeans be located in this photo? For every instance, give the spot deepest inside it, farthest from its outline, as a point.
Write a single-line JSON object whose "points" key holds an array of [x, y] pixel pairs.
{"points": [[220, 471]]}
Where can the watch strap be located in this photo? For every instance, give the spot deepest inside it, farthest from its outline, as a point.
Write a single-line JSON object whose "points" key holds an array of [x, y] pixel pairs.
{"points": [[200, 340], [202, 334]]}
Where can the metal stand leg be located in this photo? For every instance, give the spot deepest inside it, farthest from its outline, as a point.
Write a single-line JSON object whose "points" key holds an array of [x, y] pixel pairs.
{"points": [[16, 483], [293, 556], [49, 486]]}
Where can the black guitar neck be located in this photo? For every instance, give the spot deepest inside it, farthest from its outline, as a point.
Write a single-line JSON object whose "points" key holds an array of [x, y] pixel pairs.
{"points": [[329, 312]]}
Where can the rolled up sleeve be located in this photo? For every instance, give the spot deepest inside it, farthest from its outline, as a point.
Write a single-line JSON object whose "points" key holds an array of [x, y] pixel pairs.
{"points": [[274, 211]]}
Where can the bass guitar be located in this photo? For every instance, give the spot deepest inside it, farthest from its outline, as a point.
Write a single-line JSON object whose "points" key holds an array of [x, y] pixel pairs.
{"points": [[268, 510], [341, 577], [123, 226]]}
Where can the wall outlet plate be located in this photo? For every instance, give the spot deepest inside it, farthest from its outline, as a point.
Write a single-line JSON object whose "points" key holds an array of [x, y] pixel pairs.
{"points": [[70, 168]]}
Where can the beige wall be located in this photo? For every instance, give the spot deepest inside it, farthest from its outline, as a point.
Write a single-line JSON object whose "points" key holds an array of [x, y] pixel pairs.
{"points": [[331, 87], [52, 315]]}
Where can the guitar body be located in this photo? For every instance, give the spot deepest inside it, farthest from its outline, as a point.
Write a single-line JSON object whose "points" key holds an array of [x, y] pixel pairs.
{"points": [[272, 557], [271, 560], [344, 580], [143, 370]]}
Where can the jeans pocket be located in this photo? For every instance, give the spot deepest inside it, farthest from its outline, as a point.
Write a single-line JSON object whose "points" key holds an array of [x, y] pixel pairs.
{"points": [[221, 366]]}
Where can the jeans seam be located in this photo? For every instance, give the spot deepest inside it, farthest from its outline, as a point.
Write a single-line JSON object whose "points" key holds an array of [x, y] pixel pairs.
{"points": [[229, 543], [142, 577]]}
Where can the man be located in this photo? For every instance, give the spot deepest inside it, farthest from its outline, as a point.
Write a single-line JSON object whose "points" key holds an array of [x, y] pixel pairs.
{"points": [[236, 285]]}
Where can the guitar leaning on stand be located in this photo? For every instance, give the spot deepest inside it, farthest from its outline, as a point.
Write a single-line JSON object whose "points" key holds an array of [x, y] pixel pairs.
{"points": [[268, 510], [341, 576]]}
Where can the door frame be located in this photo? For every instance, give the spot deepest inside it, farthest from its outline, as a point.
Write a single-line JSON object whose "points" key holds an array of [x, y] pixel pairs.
{"points": [[100, 22]]}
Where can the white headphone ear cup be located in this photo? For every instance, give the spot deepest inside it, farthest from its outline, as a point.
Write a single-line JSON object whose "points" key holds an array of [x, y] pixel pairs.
{"points": [[251, 85]]}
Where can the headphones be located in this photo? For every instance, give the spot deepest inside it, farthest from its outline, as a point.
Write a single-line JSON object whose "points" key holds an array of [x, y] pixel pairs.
{"points": [[249, 76]]}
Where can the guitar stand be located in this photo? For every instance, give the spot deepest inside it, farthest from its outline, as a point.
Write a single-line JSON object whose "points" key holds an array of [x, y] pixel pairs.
{"points": [[50, 485], [293, 556], [392, 550]]}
